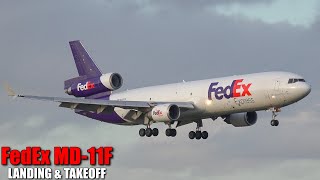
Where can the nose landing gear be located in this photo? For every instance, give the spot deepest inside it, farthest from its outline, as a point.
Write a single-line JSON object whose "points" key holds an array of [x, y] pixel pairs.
{"points": [[275, 112]]}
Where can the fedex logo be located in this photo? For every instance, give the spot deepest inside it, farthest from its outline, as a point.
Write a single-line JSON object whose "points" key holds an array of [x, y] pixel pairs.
{"points": [[157, 113], [236, 89], [88, 85]]}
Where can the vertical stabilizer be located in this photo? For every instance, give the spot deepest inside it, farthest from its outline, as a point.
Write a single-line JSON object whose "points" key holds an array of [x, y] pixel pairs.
{"points": [[84, 63]]}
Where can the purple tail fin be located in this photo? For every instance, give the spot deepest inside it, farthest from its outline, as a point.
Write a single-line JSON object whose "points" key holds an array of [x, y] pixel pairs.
{"points": [[88, 84], [84, 63]]}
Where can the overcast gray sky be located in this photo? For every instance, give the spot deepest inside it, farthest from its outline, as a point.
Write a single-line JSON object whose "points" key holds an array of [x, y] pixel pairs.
{"points": [[154, 42]]}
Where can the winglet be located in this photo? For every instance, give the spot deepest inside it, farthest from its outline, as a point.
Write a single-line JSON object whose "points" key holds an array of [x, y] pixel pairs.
{"points": [[9, 90]]}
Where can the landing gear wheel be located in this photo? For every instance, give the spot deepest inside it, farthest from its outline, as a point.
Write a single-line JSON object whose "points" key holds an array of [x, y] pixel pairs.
{"points": [[192, 134], [168, 132], [173, 132], [148, 132], [155, 131], [274, 123], [142, 132], [204, 135], [198, 135]]}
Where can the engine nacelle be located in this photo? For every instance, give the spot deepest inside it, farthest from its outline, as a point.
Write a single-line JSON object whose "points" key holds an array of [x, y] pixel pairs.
{"points": [[91, 86], [242, 119], [165, 113], [112, 81]]}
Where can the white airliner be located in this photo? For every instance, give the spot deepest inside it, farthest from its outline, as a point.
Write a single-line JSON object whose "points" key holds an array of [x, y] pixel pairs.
{"points": [[235, 98]]}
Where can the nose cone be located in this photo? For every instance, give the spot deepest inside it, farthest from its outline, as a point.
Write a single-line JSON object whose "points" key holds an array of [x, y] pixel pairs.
{"points": [[306, 89], [301, 90]]}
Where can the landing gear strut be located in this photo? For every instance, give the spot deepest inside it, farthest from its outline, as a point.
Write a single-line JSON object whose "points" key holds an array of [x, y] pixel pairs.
{"points": [[275, 122], [198, 134], [148, 131]]}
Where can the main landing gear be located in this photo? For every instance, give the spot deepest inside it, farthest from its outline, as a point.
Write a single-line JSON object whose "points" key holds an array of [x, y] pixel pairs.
{"points": [[275, 122], [198, 134], [155, 132], [171, 132], [148, 132]]}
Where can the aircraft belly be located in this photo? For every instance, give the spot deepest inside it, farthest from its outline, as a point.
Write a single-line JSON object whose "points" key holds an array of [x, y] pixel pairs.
{"points": [[130, 116]]}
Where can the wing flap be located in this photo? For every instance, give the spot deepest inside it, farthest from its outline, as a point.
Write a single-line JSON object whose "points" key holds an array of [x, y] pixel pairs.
{"points": [[88, 107]]}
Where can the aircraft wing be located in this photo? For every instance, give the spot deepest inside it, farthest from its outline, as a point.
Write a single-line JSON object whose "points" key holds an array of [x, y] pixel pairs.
{"points": [[99, 105]]}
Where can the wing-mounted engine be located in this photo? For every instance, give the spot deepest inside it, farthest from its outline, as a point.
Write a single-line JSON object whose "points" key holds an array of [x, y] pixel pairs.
{"points": [[242, 119], [83, 87], [165, 113]]}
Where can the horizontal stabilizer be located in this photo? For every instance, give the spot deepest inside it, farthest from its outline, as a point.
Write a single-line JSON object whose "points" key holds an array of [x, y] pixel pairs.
{"points": [[9, 90]]}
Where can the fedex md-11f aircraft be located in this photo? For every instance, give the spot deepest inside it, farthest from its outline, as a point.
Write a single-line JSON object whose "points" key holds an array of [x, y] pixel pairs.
{"points": [[235, 98]]}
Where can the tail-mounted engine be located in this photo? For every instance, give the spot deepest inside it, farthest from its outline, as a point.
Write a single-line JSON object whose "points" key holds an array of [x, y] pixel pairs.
{"points": [[165, 113], [90, 86], [242, 119]]}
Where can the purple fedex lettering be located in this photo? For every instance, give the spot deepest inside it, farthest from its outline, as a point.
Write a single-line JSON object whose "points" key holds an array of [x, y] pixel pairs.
{"points": [[88, 85], [211, 89], [229, 91]]}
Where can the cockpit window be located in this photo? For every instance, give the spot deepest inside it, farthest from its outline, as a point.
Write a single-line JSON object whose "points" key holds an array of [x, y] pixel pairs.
{"points": [[292, 80]]}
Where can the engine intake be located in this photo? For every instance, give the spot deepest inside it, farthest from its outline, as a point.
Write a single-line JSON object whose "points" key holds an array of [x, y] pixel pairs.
{"points": [[242, 119], [165, 113], [112, 81]]}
